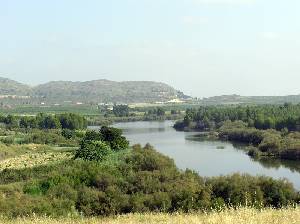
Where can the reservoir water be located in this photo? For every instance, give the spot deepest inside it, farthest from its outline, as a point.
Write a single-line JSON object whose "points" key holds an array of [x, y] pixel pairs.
{"points": [[208, 158]]}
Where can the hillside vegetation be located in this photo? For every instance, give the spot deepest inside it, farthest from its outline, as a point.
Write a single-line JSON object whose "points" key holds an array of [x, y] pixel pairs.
{"points": [[237, 99], [10, 87], [92, 91]]}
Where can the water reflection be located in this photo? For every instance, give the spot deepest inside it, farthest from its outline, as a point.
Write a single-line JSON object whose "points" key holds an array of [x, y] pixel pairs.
{"points": [[208, 158], [294, 166]]}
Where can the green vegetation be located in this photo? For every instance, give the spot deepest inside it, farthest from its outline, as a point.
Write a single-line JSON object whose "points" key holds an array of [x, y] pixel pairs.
{"points": [[45, 121], [121, 110], [97, 146], [97, 91], [272, 131], [265, 142], [10, 87], [53, 137], [71, 172], [261, 117], [122, 113], [105, 178], [86, 109]]}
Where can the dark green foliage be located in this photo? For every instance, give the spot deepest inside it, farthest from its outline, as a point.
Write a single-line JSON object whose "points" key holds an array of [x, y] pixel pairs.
{"points": [[44, 121], [254, 152], [28, 122], [121, 110], [92, 136], [92, 150], [159, 111], [72, 121], [98, 145], [48, 122], [269, 142], [11, 121], [261, 117], [245, 190], [68, 134], [238, 131], [114, 138], [148, 159], [272, 129]]}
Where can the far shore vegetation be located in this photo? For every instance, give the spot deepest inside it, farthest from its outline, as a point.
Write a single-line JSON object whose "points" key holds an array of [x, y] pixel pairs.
{"points": [[270, 130]]}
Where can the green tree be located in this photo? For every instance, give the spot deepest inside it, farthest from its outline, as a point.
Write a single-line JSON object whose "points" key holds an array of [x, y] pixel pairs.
{"points": [[11, 121], [113, 137], [92, 150], [121, 110]]}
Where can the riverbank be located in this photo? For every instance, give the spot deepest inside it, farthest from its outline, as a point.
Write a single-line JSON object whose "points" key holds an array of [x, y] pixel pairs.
{"points": [[263, 143], [241, 216], [101, 120]]}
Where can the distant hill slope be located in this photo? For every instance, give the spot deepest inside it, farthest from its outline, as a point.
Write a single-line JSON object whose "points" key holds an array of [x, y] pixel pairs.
{"points": [[10, 87], [93, 91], [237, 99], [106, 91]]}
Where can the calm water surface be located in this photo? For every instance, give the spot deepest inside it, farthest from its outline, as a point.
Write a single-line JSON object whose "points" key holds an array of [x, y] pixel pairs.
{"points": [[205, 157]]}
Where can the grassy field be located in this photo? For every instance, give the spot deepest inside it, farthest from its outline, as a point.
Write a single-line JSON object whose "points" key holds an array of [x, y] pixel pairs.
{"points": [[30, 155], [240, 216]]}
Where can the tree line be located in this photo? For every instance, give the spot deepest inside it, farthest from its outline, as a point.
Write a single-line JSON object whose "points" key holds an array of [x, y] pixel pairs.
{"points": [[45, 121], [261, 117]]}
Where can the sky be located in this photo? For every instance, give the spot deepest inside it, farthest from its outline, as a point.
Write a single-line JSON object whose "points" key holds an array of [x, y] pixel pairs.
{"points": [[202, 47]]}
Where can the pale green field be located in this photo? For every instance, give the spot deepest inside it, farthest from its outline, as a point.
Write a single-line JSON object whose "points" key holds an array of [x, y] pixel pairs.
{"points": [[240, 216], [30, 155]]}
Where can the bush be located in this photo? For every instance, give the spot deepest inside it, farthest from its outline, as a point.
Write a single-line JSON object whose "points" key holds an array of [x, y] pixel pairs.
{"points": [[141, 180], [114, 138], [68, 134], [254, 152], [8, 140], [93, 150]]}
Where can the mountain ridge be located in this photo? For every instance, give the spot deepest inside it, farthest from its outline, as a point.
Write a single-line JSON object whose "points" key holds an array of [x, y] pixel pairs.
{"points": [[97, 91]]}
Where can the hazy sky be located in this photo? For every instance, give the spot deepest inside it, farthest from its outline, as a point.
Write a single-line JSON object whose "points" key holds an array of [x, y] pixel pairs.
{"points": [[203, 47]]}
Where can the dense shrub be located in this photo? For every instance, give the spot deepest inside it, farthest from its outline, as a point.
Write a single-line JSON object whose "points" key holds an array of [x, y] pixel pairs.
{"points": [[93, 150], [269, 142], [253, 152], [68, 134], [49, 137], [113, 137], [141, 180], [238, 131], [245, 190]]}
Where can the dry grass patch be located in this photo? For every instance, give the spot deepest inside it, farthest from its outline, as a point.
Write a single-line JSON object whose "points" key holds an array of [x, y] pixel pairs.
{"points": [[240, 216], [35, 159]]}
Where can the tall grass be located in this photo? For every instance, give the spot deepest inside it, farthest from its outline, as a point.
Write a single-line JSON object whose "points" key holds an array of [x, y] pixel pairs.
{"points": [[230, 216]]}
